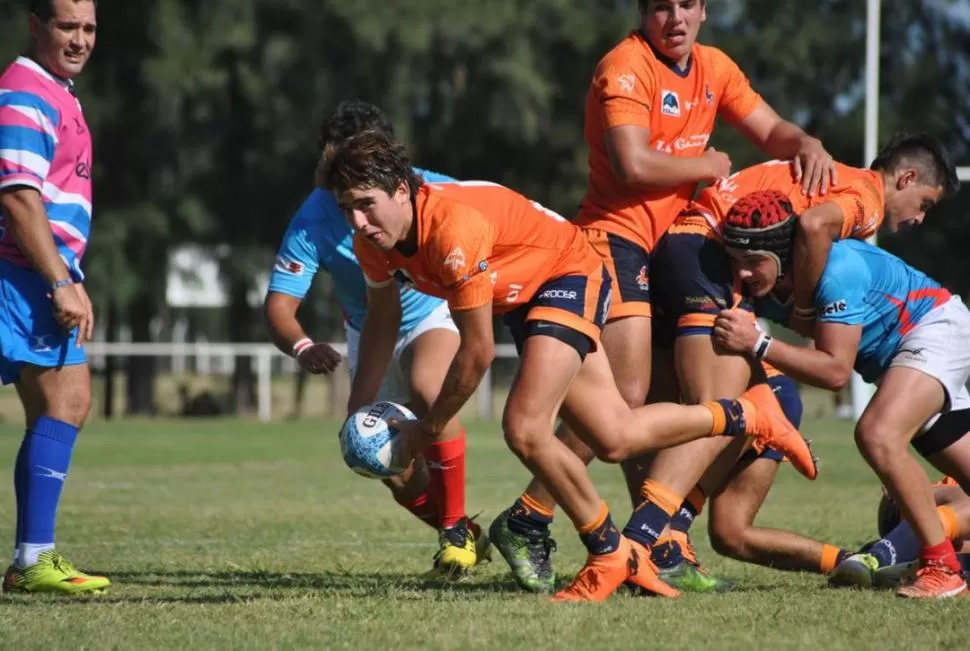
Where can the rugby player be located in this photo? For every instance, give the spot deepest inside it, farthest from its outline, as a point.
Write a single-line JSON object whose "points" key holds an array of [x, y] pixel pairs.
{"points": [[318, 238], [46, 315], [893, 324], [489, 250], [649, 114]]}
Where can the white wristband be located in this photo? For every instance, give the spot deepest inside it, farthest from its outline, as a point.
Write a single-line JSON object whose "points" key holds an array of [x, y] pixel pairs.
{"points": [[760, 349], [301, 345]]}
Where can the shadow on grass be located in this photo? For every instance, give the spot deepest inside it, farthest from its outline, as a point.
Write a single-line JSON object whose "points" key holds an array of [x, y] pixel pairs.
{"points": [[348, 582]]}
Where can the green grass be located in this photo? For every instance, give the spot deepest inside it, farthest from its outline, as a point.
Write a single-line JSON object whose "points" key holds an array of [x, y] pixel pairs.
{"points": [[230, 534]]}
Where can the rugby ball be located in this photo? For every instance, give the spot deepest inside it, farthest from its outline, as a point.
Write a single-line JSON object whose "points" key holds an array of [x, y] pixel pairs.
{"points": [[369, 444]]}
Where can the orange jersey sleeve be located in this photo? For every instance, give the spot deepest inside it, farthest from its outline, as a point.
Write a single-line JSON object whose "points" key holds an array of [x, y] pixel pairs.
{"points": [[625, 89], [737, 98], [374, 264]]}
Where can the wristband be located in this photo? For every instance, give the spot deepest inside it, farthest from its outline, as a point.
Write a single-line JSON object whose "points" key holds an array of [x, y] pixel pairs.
{"points": [[64, 282], [761, 346], [804, 312], [301, 345]]}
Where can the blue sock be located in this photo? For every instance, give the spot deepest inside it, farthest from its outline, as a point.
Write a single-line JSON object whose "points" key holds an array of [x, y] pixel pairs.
{"points": [[47, 455], [19, 480], [646, 523], [900, 546], [684, 517]]}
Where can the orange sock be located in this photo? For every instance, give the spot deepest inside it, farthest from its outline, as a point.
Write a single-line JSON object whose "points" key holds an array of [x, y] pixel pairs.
{"points": [[951, 522], [831, 557]]}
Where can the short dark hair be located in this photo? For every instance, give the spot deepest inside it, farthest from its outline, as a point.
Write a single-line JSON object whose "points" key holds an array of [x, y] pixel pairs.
{"points": [[370, 159], [350, 118], [44, 9], [924, 153]]}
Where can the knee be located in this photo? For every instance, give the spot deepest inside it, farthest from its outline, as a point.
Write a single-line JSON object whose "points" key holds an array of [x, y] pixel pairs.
{"points": [[523, 433], [634, 391], [876, 442], [71, 407], [728, 540]]}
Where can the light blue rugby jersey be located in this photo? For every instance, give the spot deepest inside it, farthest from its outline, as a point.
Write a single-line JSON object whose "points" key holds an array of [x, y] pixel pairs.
{"points": [[319, 237], [868, 286]]}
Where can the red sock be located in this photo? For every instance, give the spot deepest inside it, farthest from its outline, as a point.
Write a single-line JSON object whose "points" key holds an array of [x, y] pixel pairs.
{"points": [[941, 553], [446, 466], [424, 508]]}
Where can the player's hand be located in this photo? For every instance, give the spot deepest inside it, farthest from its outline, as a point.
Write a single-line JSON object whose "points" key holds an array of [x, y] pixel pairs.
{"points": [[718, 164], [814, 168], [413, 439], [85, 329], [319, 358], [736, 331], [72, 309]]}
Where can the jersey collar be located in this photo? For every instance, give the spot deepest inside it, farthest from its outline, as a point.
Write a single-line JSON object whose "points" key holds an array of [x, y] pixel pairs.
{"points": [[667, 61], [27, 62]]}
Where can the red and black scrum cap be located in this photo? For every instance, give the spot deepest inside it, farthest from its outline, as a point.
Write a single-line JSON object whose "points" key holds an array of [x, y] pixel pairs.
{"points": [[762, 222]]}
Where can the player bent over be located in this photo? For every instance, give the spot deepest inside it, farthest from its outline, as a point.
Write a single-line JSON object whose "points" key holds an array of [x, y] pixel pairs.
{"points": [[318, 238], [693, 281], [45, 313], [893, 324], [488, 250]]}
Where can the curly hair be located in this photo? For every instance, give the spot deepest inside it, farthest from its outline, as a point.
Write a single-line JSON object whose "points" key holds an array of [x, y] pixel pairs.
{"points": [[367, 160], [350, 118]]}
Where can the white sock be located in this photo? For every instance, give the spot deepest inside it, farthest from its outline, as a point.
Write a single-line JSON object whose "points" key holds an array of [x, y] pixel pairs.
{"points": [[30, 551], [16, 556]]}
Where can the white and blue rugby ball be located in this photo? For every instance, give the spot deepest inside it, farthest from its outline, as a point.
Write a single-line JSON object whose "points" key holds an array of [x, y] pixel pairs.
{"points": [[369, 444]]}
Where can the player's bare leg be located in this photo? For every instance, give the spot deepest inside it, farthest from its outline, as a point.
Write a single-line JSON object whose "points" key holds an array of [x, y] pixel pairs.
{"points": [[521, 533], [733, 510], [894, 558], [905, 400]]}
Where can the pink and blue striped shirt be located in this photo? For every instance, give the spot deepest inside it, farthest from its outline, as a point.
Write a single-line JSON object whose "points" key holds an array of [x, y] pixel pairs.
{"points": [[45, 144]]}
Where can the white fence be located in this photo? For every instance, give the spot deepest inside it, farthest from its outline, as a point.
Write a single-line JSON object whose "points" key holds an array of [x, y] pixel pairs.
{"points": [[262, 354]]}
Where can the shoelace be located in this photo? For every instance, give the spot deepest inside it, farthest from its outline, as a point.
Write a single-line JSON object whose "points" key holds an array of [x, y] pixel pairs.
{"points": [[934, 574]]}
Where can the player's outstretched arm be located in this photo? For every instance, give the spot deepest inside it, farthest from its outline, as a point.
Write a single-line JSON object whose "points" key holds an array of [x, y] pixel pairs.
{"points": [[828, 365], [814, 167], [817, 229], [377, 340], [636, 163], [473, 358]]}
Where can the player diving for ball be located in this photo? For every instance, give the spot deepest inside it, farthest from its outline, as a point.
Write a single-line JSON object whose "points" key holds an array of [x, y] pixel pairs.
{"points": [[488, 250], [894, 325], [318, 237]]}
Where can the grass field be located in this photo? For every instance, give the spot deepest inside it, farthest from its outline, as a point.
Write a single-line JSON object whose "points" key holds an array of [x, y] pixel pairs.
{"points": [[229, 534]]}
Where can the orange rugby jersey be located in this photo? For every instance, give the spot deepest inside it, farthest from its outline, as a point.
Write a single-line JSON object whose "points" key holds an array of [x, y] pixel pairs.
{"points": [[632, 86], [481, 243], [859, 194]]}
